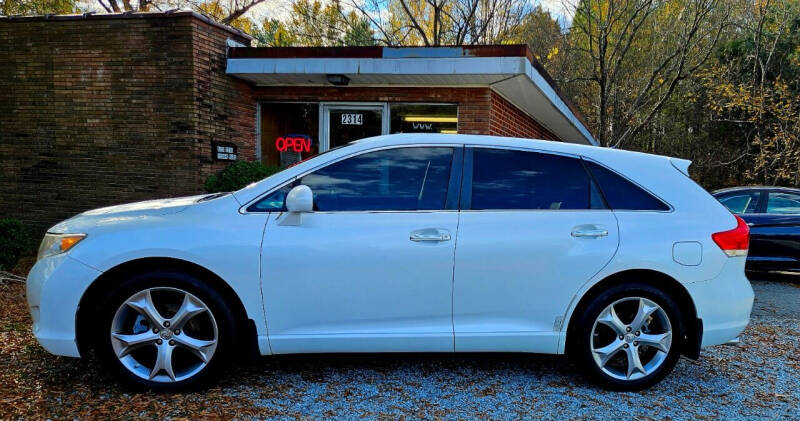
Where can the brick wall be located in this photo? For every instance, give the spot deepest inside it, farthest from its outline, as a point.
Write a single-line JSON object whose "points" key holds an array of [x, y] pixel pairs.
{"points": [[507, 120], [225, 109], [473, 103], [480, 110], [106, 110]]}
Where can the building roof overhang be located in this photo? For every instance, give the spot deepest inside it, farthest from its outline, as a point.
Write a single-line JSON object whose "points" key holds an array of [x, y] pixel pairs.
{"points": [[509, 70]]}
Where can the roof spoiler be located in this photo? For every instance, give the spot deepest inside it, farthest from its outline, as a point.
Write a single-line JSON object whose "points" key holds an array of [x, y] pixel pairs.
{"points": [[681, 165]]}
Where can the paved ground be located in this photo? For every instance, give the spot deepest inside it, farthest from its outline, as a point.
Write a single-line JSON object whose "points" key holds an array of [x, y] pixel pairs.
{"points": [[760, 379]]}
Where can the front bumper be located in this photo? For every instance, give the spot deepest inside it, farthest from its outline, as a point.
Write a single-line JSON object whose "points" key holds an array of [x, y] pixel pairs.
{"points": [[723, 303], [54, 289]]}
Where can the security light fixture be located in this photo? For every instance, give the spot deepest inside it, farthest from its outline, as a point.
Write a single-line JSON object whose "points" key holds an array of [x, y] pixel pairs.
{"points": [[338, 80]]}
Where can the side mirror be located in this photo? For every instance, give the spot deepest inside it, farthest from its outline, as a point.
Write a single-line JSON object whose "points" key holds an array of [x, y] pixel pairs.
{"points": [[300, 200]]}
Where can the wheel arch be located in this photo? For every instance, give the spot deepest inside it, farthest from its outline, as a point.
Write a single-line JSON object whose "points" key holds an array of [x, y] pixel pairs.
{"points": [[105, 282], [693, 328]]}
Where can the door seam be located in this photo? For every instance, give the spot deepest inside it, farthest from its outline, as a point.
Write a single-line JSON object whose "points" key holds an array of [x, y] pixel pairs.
{"points": [[453, 282]]}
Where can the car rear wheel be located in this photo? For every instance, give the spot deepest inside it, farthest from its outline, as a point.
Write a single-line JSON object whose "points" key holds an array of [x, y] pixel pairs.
{"points": [[165, 331], [629, 337]]}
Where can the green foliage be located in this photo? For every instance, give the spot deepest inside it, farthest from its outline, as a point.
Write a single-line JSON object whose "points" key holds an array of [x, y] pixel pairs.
{"points": [[273, 33], [14, 242], [238, 175], [327, 24], [37, 7]]}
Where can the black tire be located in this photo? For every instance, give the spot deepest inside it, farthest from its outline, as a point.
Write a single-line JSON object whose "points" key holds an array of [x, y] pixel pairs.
{"points": [[580, 347], [222, 315]]}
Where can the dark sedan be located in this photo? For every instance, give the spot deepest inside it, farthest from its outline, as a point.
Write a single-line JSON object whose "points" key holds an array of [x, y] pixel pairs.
{"points": [[773, 214]]}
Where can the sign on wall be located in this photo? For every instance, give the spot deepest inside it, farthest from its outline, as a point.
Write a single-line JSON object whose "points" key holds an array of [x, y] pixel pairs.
{"points": [[352, 119], [293, 143], [224, 151]]}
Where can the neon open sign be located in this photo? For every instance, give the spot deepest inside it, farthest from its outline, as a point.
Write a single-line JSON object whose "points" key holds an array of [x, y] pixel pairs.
{"points": [[295, 143]]}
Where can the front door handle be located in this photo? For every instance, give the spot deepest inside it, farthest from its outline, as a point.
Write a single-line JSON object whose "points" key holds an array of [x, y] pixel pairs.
{"points": [[430, 234], [590, 233]]}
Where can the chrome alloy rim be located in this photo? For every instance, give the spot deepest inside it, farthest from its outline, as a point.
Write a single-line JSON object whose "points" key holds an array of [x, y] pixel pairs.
{"points": [[631, 338], [164, 334]]}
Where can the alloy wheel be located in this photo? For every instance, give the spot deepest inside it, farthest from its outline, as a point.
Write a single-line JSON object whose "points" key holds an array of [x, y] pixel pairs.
{"points": [[164, 334], [631, 338]]}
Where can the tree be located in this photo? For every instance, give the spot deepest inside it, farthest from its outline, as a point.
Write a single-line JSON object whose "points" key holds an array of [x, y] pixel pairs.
{"points": [[442, 22], [547, 41], [323, 25], [221, 11], [273, 33], [632, 56], [754, 92], [37, 7], [229, 12]]}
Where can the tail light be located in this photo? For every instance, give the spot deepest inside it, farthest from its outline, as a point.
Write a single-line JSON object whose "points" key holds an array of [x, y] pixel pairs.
{"points": [[736, 241]]}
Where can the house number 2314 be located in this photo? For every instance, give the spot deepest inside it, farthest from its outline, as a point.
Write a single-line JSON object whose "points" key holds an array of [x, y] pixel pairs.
{"points": [[353, 119]]}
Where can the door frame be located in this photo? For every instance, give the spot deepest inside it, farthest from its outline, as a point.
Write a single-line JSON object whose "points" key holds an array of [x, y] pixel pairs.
{"points": [[324, 118]]}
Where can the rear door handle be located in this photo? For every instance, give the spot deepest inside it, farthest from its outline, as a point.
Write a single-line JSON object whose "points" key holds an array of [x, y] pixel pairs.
{"points": [[590, 233], [430, 234]]}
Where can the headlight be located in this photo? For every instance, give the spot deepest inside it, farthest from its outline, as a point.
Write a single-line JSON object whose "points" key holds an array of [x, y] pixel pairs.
{"points": [[58, 243]]}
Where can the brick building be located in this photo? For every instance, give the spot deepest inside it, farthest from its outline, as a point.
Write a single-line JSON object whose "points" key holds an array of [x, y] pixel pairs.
{"points": [[104, 109]]}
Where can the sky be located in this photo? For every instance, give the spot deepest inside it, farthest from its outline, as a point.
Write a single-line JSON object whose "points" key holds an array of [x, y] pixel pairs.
{"points": [[559, 9]]}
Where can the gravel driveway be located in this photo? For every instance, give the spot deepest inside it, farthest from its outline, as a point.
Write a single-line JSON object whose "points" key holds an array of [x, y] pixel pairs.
{"points": [[760, 379]]}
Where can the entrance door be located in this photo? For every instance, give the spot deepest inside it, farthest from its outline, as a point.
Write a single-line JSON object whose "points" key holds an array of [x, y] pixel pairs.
{"points": [[344, 123]]}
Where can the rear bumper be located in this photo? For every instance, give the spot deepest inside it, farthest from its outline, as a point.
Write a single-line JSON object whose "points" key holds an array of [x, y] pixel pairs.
{"points": [[723, 303], [55, 286]]}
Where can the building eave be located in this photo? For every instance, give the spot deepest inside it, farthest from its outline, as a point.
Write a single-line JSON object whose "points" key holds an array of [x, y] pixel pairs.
{"points": [[510, 72]]}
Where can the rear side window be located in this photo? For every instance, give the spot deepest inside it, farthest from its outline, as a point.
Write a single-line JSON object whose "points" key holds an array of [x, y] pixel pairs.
{"points": [[747, 202], [783, 203], [509, 179], [621, 194]]}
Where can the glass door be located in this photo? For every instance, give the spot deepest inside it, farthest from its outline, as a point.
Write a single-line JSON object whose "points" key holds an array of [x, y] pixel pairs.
{"points": [[344, 123]]}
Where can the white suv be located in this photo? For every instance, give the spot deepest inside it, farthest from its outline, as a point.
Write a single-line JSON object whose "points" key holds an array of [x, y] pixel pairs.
{"points": [[420, 243]]}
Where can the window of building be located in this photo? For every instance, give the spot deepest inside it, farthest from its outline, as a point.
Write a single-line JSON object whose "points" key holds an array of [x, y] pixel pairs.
{"points": [[621, 194], [423, 118], [289, 132], [509, 179], [402, 179]]}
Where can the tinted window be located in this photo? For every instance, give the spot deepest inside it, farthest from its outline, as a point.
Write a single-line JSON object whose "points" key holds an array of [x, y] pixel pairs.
{"points": [[506, 179], [744, 202], [784, 203], [391, 179], [273, 202], [622, 194]]}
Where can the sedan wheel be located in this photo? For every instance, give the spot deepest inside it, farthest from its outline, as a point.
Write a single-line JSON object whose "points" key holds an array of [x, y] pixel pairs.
{"points": [[164, 334]]}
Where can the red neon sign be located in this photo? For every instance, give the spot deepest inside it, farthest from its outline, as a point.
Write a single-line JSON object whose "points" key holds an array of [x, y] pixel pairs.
{"points": [[294, 143]]}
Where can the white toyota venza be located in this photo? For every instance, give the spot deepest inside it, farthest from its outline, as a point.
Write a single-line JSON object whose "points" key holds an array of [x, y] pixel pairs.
{"points": [[406, 243]]}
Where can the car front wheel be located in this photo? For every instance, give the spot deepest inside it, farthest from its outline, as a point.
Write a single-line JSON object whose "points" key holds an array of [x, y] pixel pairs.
{"points": [[165, 331], [629, 337]]}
